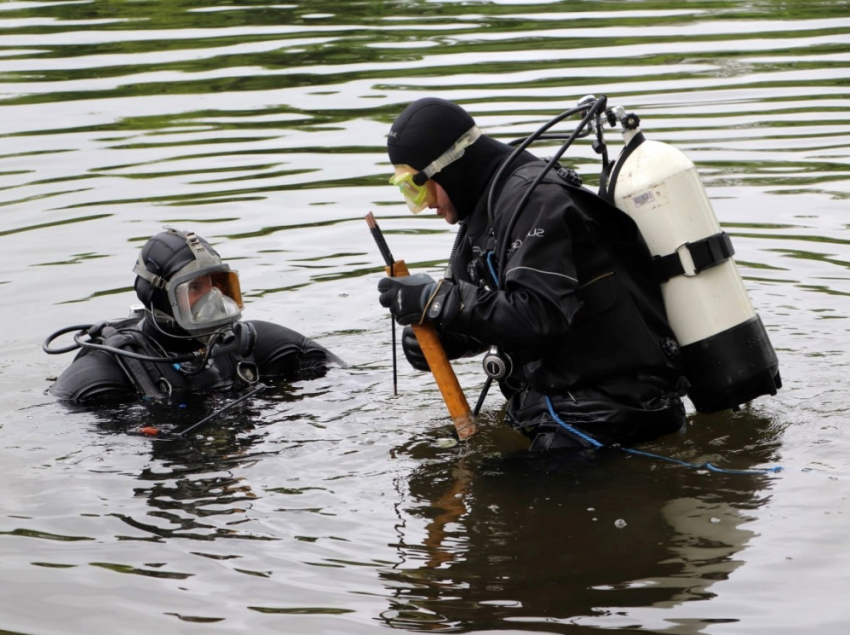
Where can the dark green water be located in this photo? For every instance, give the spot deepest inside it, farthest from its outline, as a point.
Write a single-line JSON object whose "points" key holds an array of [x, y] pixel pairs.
{"points": [[330, 506]]}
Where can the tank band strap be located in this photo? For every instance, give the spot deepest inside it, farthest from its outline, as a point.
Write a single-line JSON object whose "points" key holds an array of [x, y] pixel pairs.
{"points": [[705, 253]]}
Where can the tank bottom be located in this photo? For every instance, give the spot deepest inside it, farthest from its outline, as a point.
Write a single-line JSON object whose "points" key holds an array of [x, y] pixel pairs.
{"points": [[732, 367]]}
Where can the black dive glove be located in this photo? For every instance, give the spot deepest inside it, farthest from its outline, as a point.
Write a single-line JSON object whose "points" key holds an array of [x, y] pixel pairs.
{"points": [[456, 346], [407, 297], [416, 299]]}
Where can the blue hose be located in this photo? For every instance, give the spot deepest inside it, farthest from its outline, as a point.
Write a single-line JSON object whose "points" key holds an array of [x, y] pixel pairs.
{"points": [[702, 466]]}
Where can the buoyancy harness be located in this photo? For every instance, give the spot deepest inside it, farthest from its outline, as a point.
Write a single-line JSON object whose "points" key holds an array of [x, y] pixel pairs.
{"points": [[144, 375], [619, 339], [157, 380], [154, 373]]}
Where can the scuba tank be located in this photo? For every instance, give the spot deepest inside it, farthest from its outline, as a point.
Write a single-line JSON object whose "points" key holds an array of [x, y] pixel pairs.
{"points": [[727, 355]]}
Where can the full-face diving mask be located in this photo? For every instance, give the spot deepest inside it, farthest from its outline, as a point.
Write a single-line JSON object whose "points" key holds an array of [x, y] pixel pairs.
{"points": [[204, 295], [416, 186]]}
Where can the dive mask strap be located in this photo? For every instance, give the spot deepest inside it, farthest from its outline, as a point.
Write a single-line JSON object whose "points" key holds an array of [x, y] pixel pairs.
{"points": [[449, 156], [161, 317], [203, 256], [158, 282]]}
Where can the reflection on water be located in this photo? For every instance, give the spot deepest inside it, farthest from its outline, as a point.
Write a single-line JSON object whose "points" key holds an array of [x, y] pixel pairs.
{"points": [[551, 540], [263, 125], [191, 484]]}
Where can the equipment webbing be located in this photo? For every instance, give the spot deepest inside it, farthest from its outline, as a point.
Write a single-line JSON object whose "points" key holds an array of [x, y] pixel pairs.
{"points": [[705, 253]]}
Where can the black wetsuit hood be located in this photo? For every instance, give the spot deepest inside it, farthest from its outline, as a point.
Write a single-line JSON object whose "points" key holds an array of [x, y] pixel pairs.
{"points": [[426, 129]]}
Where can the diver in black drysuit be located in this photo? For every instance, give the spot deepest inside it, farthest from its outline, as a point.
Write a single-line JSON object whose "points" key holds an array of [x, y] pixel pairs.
{"points": [[251, 350], [581, 315]]}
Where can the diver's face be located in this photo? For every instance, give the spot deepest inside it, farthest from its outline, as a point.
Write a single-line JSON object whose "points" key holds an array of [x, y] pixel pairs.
{"points": [[198, 288], [444, 205]]}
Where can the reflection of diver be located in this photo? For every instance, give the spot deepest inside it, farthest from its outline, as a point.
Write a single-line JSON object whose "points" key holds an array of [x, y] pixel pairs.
{"points": [[189, 337], [193, 487], [197, 487], [534, 538]]}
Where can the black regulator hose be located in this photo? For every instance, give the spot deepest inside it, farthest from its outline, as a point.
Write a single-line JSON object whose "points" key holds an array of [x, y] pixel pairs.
{"points": [[185, 357], [245, 339], [592, 111], [239, 340], [535, 136], [82, 328]]}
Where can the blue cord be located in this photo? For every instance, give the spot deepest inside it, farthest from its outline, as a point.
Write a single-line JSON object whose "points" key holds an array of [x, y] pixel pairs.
{"points": [[704, 466], [581, 435], [490, 255]]}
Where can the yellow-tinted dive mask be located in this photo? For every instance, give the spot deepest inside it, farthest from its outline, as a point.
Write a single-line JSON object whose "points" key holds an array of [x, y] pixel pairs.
{"points": [[417, 197], [205, 299], [416, 186]]}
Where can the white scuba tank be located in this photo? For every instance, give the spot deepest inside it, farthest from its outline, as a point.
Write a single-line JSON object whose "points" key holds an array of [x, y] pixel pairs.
{"points": [[727, 355]]}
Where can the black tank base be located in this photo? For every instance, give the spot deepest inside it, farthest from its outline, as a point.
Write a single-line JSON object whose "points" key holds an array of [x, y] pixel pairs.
{"points": [[732, 367]]}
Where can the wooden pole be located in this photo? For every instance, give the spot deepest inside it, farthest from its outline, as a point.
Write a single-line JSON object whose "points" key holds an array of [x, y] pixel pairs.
{"points": [[441, 368], [432, 348]]}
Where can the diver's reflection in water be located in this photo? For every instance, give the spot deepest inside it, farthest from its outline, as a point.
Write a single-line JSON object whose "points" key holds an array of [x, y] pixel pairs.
{"points": [[499, 542], [192, 486]]}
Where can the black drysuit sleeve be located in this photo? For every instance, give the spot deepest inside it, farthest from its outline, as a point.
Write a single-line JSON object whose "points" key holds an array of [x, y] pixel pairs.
{"points": [[539, 299], [93, 375], [282, 352]]}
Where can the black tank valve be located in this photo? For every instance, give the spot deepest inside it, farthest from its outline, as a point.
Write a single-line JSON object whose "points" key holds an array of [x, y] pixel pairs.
{"points": [[631, 121]]}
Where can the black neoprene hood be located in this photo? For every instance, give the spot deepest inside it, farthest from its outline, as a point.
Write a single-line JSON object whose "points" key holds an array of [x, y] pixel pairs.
{"points": [[430, 126], [427, 128], [164, 255]]}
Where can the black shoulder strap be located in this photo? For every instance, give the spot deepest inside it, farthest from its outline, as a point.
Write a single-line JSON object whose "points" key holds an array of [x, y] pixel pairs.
{"points": [[137, 371], [608, 185], [461, 235]]}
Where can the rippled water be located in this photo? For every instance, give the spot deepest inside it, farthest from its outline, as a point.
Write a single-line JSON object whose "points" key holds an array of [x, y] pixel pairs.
{"points": [[330, 506]]}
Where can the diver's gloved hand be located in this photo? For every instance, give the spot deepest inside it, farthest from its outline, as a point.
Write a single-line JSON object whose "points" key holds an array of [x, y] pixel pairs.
{"points": [[455, 346], [447, 301], [407, 297]]}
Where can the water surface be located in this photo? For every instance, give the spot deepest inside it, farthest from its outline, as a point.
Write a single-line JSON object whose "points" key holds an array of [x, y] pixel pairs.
{"points": [[331, 506]]}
